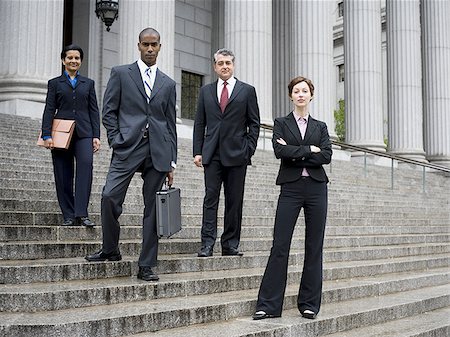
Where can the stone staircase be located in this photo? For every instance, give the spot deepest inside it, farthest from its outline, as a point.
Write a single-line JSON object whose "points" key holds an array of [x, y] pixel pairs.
{"points": [[386, 256]]}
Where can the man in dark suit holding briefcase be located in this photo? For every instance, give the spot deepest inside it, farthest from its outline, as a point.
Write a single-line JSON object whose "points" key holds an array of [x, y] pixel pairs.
{"points": [[139, 116], [226, 131]]}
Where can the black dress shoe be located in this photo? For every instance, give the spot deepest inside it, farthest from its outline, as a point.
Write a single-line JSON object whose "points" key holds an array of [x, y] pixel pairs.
{"points": [[262, 315], [84, 221], [308, 314], [206, 251], [100, 256], [147, 274], [68, 222], [231, 252]]}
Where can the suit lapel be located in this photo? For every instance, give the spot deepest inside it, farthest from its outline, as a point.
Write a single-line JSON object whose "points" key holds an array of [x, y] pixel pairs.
{"points": [[237, 87], [159, 81], [310, 128], [80, 80], [293, 127], [63, 79], [135, 75], [213, 91]]}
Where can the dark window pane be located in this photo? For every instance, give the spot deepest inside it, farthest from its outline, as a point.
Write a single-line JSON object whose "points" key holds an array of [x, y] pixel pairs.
{"points": [[190, 86]]}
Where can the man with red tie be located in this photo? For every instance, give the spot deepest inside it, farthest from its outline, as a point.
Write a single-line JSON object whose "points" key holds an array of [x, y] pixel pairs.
{"points": [[226, 131]]}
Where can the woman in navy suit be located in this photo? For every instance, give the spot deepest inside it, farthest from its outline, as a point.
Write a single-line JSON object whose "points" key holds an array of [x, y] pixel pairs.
{"points": [[303, 145], [72, 96]]}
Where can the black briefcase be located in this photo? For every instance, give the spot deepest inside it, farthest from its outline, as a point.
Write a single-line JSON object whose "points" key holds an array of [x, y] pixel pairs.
{"points": [[168, 212]]}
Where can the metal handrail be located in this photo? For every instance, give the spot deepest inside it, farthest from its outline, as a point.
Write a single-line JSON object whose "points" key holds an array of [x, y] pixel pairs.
{"points": [[385, 155], [391, 156]]}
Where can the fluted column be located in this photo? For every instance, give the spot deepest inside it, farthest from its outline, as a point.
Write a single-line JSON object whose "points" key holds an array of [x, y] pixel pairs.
{"points": [[134, 16], [282, 48], [30, 48], [363, 78], [404, 79], [436, 57], [312, 35], [248, 33]]}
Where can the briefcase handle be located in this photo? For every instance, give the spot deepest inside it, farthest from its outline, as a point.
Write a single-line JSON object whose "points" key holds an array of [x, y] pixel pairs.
{"points": [[166, 187]]}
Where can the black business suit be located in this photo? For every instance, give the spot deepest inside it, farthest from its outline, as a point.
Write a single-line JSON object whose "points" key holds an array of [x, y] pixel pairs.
{"points": [[226, 141], [126, 113], [297, 192], [79, 104]]}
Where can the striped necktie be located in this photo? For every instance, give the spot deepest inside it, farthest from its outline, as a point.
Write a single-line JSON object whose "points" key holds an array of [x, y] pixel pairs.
{"points": [[147, 82]]}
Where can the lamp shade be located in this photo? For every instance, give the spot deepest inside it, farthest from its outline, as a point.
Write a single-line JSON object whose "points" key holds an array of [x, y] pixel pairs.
{"points": [[108, 11]]}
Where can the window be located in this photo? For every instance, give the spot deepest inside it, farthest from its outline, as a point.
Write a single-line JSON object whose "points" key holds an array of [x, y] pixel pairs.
{"points": [[190, 86], [341, 9], [341, 73]]}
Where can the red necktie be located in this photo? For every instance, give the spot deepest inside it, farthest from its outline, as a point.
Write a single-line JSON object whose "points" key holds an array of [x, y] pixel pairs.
{"points": [[224, 97]]}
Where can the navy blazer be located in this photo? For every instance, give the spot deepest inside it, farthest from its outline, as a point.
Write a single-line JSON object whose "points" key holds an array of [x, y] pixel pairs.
{"points": [[79, 104], [297, 154], [126, 113], [234, 132]]}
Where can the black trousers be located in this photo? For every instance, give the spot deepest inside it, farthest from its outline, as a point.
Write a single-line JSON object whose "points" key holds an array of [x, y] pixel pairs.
{"points": [[312, 196], [117, 181], [77, 159], [233, 179]]}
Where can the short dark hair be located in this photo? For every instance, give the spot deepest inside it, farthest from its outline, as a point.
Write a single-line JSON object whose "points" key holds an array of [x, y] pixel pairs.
{"points": [[149, 31], [297, 80], [224, 52], [71, 47]]}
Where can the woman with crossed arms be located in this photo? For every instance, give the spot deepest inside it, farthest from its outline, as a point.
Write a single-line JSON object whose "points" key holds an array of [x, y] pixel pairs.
{"points": [[303, 145]]}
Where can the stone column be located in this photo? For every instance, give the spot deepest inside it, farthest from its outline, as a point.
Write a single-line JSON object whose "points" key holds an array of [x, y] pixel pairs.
{"points": [[30, 48], [95, 60], [312, 36], [248, 33], [363, 77], [436, 60], [134, 16], [282, 48], [404, 79]]}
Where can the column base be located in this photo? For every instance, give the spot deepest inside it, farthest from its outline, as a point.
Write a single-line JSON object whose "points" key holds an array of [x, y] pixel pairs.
{"points": [[439, 160], [22, 108], [415, 155]]}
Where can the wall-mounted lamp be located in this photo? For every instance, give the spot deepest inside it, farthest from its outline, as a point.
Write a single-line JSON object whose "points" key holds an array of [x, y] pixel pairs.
{"points": [[108, 11]]}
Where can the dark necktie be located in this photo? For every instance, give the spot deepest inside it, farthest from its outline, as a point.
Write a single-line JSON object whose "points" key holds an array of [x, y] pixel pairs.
{"points": [[224, 97]]}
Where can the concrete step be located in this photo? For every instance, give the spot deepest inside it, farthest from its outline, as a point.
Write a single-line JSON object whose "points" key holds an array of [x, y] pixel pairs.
{"points": [[44, 201], [256, 175], [262, 160], [54, 218], [435, 323], [42, 249], [32, 199], [84, 293], [265, 208], [168, 313], [336, 236], [334, 317], [66, 269]]}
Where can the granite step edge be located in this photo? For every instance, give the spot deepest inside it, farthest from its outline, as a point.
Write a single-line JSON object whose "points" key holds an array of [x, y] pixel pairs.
{"points": [[74, 294], [129, 318]]}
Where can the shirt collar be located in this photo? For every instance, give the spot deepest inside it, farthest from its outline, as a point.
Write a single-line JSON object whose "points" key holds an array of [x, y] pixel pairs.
{"points": [[68, 76], [231, 81], [143, 67], [297, 117]]}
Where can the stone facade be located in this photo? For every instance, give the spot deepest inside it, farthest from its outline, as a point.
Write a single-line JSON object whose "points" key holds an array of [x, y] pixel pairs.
{"points": [[395, 54]]}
